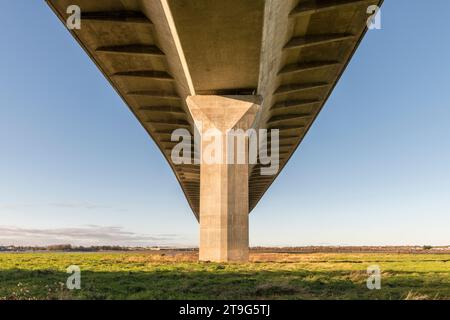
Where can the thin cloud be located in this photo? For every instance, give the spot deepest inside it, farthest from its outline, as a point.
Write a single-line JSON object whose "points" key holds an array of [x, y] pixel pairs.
{"points": [[78, 205], [62, 205], [86, 236], [16, 206]]}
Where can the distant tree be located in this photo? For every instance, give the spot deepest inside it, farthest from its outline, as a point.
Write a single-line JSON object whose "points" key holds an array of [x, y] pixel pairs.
{"points": [[59, 247]]}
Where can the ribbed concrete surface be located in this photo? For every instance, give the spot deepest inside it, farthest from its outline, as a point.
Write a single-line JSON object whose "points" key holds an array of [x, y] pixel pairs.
{"points": [[290, 52]]}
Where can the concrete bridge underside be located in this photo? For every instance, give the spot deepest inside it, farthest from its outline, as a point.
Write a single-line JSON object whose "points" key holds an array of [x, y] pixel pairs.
{"points": [[172, 60]]}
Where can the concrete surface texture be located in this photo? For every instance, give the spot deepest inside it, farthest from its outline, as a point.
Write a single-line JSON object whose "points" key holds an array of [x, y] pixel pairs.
{"points": [[162, 56], [223, 184]]}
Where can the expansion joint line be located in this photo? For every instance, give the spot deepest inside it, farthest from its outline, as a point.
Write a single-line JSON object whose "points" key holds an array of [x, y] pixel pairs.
{"points": [[176, 39]]}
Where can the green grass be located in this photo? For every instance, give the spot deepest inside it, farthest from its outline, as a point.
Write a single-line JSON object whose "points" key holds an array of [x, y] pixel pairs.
{"points": [[268, 276]]}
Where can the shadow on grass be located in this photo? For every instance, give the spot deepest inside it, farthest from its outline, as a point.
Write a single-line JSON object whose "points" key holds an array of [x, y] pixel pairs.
{"points": [[218, 284]]}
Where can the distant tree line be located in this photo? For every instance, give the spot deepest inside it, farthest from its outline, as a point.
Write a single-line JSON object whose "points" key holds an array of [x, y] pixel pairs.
{"points": [[307, 249], [65, 247], [355, 249], [72, 248]]}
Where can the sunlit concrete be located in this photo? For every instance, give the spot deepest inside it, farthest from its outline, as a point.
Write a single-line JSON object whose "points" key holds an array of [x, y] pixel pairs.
{"points": [[162, 56], [224, 204]]}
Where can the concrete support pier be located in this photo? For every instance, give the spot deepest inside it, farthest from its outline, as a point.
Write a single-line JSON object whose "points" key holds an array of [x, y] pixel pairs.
{"points": [[224, 203]]}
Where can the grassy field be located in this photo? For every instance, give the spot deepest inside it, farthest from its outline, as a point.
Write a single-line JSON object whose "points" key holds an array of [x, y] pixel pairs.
{"points": [[138, 275]]}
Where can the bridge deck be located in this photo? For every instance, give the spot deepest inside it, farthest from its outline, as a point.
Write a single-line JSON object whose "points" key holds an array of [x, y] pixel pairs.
{"points": [[290, 52]]}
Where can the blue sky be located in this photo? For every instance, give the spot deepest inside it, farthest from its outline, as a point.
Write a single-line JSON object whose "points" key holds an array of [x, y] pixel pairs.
{"points": [[76, 166]]}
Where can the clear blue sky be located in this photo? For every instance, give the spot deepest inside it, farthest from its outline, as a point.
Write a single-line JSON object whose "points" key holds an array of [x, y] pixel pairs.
{"points": [[76, 166]]}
